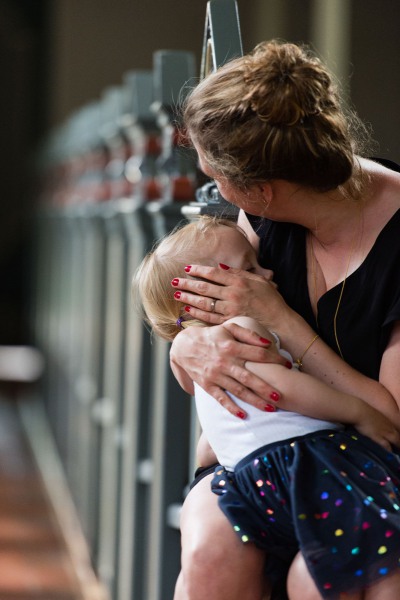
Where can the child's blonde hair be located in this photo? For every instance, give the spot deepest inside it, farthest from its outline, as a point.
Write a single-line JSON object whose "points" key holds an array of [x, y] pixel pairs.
{"points": [[151, 286]]}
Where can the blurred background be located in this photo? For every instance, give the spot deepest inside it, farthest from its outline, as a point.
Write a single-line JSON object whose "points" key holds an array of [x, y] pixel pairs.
{"points": [[72, 229]]}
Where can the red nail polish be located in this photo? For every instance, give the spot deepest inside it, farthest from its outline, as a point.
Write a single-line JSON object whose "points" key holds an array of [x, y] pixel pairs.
{"points": [[187, 308], [264, 340], [240, 414], [270, 408], [225, 267], [288, 364], [187, 268], [177, 295], [175, 282], [274, 396]]}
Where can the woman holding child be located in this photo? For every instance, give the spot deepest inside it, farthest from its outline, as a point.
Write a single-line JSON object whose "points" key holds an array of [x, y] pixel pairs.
{"points": [[270, 130]]}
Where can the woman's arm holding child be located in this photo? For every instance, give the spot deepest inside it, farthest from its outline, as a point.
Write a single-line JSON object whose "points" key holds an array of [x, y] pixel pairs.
{"points": [[307, 395]]}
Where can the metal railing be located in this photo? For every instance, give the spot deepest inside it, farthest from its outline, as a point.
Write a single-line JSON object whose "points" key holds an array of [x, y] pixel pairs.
{"points": [[114, 181]]}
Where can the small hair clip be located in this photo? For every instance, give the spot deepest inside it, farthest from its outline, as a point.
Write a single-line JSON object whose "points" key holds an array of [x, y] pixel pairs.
{"points": [[179, 322], [284, 77]]}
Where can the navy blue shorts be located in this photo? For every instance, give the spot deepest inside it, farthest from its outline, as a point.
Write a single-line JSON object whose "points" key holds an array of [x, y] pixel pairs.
{"points": [[333, 495]]}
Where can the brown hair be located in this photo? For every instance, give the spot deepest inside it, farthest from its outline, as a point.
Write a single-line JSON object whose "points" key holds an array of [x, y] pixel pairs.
{"points": [[274, 114], [151, 286]]}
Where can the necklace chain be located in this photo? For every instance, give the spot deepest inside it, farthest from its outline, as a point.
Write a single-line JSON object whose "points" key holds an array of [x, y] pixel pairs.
{"points": [[314, 278]]}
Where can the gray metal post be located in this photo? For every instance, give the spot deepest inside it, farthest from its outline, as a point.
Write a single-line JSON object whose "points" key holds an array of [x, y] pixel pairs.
{"points": [[222, 42], [107, 407], [170, 405], [222, 39], [140, 128]]}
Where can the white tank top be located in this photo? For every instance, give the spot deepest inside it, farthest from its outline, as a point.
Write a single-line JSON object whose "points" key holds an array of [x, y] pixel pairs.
{"points": [[232, 438]]}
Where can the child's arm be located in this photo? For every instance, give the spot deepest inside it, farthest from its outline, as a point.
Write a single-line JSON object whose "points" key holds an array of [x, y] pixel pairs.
{"points": [[309, 396], [205, 455]]}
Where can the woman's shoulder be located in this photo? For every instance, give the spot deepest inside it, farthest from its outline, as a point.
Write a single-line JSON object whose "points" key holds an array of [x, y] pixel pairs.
{"points": [[389, 235], [381, 210], [383, 190], [386, 162]]}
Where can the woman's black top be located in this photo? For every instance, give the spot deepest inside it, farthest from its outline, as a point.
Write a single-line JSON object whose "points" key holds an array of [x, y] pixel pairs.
{"points": [[371, 297]]}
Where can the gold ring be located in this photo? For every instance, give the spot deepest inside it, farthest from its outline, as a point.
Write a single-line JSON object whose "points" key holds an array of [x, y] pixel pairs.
{"points": [[213, 305]]}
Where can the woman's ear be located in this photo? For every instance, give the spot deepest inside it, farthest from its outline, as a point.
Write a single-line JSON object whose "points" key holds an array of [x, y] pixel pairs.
{"points": [[266, 194]]}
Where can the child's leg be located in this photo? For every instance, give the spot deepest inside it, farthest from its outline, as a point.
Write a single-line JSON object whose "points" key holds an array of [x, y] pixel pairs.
{"points": [[301, 585], [215, 564], [386, 589]]}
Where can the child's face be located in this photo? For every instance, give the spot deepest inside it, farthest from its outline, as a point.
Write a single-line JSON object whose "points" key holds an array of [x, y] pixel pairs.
{"points": [[233, 249]]}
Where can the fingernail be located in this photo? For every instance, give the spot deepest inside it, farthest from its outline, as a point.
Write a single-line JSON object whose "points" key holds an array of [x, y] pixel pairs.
{"points": [[177, 295], [175, 282], [288, 364], [264, 340], [187, 268], [269, 408], [240, 414], [187, 308], [225, 267], [274, 396]]}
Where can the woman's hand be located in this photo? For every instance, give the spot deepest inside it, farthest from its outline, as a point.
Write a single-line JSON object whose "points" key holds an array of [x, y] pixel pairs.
{"points": [[214, 357], [230, 292]]}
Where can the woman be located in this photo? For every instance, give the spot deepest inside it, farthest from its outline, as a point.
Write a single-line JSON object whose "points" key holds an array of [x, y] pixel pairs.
{"points": [[269, 129]]}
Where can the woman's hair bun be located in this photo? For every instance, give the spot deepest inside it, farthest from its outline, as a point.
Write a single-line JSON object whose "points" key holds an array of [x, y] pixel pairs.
{"points": [[286, 84]]}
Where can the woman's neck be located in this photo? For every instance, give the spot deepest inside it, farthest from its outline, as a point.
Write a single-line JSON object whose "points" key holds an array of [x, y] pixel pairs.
{"points": [[333, 223], [337, 217]]}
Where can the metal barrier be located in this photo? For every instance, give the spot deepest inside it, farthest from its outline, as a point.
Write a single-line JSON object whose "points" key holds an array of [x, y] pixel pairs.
{"points": [[222, 42], [108, 389], [115, 181]]}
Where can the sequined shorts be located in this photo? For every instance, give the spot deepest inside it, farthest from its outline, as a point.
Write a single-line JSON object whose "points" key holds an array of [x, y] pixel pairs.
{"points": [[334, 495]]}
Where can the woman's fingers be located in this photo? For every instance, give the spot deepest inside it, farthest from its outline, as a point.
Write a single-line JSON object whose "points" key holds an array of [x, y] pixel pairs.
{"points": [[236, 380], [226, 401], [245, 394], [213, 358], [212, 317], [211, 281], [196, 287], [220, 295], [253, 347]]}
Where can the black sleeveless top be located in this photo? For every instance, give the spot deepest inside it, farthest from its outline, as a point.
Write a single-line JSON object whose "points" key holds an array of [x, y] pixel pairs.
{"points": [[371, 298]]}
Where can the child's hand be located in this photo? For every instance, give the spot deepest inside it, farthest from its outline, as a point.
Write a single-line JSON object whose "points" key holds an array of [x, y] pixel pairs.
{"points": [[376, 426]]}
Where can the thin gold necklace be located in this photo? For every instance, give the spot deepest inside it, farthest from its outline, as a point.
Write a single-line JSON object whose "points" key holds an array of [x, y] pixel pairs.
{"points": [[314, 278]]}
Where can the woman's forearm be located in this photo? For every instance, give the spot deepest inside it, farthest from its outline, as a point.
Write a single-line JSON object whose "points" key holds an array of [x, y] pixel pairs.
{"points": [[324, 364], [306, 395]]}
